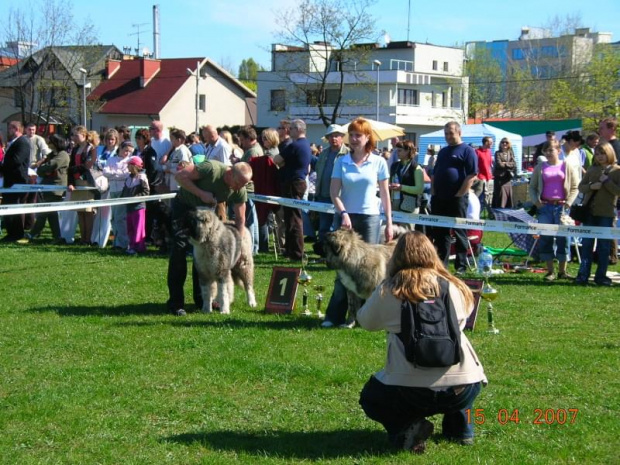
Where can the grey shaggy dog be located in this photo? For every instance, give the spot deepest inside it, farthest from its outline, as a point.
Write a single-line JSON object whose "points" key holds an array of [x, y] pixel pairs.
{"points": [[361, 266], [221, 255]]}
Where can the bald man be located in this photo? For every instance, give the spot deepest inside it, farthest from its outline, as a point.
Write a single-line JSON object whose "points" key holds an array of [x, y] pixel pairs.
{"points": [[217, 148]]}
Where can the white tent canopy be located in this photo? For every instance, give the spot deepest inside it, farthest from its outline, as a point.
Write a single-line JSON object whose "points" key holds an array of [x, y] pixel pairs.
{"points": [[473, 133]]}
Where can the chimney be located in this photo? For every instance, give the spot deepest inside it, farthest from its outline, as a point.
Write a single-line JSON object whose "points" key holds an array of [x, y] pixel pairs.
{"points": [[112, 66], [148, 70], [156, 35]]}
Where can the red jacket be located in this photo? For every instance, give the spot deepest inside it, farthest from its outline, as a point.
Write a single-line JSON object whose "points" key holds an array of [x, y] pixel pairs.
{"points": [[485, 159]]}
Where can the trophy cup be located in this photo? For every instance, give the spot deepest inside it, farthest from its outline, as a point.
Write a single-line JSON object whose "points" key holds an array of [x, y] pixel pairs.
{"points": [[304, 279], [319, 300], [489, 294]]}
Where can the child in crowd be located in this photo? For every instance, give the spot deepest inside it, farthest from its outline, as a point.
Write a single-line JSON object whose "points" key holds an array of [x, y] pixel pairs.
{"points": [[136, 185]]}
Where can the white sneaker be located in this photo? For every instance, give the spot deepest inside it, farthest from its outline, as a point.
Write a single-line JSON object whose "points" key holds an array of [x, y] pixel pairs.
{"points": [[348, 325], [327, 324]]}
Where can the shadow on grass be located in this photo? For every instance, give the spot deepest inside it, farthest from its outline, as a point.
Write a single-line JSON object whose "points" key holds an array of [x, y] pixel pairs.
{"points": [[293, 445], [215, 320], [233, 323], [116, 310]]}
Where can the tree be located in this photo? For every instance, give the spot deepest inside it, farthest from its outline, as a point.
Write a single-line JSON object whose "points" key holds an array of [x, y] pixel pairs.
{"points": [[485, 83], [44, 80], [248, 73], [592, 93], [326, 33]]}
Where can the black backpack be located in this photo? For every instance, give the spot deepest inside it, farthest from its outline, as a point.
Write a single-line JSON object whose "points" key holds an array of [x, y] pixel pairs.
{"points": [[430, 331]]}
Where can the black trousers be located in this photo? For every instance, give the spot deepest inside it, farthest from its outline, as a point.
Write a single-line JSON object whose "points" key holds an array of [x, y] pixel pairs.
{"points": [[455, 207], [294, 234], [177, 264], [14, 224]]}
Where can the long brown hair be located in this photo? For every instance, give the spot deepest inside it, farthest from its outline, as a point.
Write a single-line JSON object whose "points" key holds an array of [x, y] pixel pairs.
{"points": [[414, 269]]}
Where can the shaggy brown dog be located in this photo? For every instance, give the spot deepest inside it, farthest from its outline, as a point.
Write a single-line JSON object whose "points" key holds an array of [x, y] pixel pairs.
{"points": [[221, 255], [360, 266]]}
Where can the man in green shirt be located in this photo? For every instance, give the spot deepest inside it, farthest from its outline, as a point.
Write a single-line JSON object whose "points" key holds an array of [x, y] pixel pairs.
{"points": [[204, 184]]}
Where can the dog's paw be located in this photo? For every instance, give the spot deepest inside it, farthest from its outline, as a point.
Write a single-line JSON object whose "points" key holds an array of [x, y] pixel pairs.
{"points": [[252, 300], [206, 309]]}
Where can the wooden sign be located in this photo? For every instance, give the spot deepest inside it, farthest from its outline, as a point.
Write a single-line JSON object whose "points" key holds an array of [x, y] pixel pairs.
{"points": [[282, 290], [476, 287]]}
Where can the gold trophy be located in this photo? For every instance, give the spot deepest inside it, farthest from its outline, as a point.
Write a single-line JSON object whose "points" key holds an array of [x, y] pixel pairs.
{"points": [[319, 300], [304, 279], [489, 294]]}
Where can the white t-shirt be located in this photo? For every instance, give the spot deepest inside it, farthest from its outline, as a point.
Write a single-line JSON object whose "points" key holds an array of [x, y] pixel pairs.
{"points": [[162, 147], [178, 155]]}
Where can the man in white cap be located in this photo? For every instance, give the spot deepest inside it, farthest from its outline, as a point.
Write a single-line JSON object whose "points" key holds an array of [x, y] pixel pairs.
{"points": [[324, 167]]}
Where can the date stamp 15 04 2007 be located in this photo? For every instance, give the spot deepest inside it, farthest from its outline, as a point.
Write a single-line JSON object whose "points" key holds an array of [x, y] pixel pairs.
{"points": [[539, 416]]}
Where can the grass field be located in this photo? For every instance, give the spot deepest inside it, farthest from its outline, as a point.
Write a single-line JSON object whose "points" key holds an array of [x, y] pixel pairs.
{"points": [[94, 370]]}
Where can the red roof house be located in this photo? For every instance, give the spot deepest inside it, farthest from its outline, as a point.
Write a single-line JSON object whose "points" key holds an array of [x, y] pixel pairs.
{"points": [[137, 91]]}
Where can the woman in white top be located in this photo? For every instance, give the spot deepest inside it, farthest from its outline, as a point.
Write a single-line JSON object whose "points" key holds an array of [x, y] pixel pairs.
{"points": [[353, 191], [402, 394]]}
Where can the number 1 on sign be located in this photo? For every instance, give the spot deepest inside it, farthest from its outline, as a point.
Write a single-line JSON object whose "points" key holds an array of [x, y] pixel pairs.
{"points": [[282, 283]]}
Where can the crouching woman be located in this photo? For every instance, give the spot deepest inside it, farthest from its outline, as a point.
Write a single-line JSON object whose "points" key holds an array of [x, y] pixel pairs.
{"points": [[403, 395]]}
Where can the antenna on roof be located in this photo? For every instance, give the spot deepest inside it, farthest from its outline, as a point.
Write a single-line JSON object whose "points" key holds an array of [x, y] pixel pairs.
{"points": [[137, 33], [408, 20]]}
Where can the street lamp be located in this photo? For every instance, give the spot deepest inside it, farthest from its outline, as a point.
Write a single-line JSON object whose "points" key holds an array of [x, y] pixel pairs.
{"points": [[377, 63], [85, 86], [197, 74]]}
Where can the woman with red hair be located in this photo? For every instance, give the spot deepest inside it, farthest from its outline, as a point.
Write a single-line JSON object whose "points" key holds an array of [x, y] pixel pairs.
{"points": [[353, 190]]}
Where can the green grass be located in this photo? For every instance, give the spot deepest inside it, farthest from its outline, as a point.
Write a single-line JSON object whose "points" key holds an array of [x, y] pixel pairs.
{"points": [[94, 370]]}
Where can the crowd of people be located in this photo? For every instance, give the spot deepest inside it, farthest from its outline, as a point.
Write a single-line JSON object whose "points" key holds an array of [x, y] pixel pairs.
{"points": [[218, 170]]}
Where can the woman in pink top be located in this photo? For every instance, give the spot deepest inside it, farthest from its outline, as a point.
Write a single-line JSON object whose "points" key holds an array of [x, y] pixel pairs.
{"points": [[553, 189]]}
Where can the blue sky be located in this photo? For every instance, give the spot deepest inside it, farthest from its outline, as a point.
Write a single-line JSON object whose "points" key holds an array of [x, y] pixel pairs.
{"points": [[229, 31]]}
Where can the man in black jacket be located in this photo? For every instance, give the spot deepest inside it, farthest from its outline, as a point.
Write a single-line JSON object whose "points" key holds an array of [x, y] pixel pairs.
{"points": [[15, 171]]}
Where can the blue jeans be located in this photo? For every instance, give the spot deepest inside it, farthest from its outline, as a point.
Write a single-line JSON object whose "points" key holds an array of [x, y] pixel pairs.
{"points": [[397, 407], [602, 249], [369, 227], [251, 222], [550, 214], [326, 220]]}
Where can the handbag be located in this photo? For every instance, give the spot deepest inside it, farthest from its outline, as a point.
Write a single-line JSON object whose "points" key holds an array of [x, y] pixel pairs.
{"points": [[409, 203], [580, 212]]}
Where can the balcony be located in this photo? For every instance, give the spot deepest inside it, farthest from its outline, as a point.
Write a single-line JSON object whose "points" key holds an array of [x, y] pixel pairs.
{"points": [[398, 114]]}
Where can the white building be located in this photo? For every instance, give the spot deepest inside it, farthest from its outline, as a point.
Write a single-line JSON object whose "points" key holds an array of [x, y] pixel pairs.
{"points": [[420, 86]]}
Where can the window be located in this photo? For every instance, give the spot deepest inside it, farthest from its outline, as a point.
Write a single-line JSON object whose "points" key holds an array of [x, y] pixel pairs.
{"points": [[445, 66], [434, 65], [408, 97], [202, 102], [444, 99], [278, 100], [517, 54], [330, 97], [413, 137]]}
